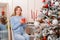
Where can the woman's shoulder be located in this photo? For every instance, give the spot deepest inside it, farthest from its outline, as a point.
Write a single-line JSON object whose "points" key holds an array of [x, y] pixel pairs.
{"points": [[12, 17]]}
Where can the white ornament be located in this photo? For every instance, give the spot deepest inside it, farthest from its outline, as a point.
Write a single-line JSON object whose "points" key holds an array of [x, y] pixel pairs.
{"points": [[49, 13], [49, 38], [44, 11], [36, 23], [44, 34], [46, 20], [51, 32], [55, 22], [56, 3], [52, 1]]}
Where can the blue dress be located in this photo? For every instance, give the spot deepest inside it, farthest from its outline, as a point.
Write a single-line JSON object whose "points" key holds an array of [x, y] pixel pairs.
{"points": [[18, 28]]}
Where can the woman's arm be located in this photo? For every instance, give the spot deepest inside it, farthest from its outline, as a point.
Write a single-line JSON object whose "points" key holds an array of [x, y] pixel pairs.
{"points": [[13, 24], [24, 26], [24, 22]]}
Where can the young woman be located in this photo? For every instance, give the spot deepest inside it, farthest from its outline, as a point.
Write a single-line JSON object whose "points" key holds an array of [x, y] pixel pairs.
{"points": [[18, 26]]}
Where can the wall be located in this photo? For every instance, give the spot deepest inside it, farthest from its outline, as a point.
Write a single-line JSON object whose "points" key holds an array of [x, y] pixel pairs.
{"points": [[34, 5], [27, 6], [9, 2]]}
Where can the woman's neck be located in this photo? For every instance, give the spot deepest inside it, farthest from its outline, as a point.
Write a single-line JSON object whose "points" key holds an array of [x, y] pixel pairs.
{"points": [[17, 15]]}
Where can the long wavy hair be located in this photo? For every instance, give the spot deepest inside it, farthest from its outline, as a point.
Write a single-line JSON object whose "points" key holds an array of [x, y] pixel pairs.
{"points": [[14, 14]]}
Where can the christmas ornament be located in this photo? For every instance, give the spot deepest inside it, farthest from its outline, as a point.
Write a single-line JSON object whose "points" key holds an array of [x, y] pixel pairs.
{"points": [[49, 38], [51, 32], [49, 13], [44, 34], [49, 22], [52, 1], [36, 23], [54, 11], [56, 3], [46, 6], [43, 0], [55, 22], [23, 20], [46, 20], [44, 38], [51, 4], [44, 11], [46, 14]]}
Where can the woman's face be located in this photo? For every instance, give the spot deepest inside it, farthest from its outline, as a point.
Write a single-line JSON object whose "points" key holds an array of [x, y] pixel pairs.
{"points": [[18, 11]]}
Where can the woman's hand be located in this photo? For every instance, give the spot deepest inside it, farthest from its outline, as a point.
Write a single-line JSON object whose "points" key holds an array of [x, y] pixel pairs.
{"points": [[23, 20]]}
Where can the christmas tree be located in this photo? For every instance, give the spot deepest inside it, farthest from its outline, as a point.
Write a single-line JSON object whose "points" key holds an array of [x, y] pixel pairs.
{"points": [[50, 15], [50, 10]]}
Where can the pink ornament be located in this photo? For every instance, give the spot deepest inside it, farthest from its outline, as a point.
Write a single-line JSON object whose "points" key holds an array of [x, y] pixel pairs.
{"points": [[51, 4], [43, 0]]}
